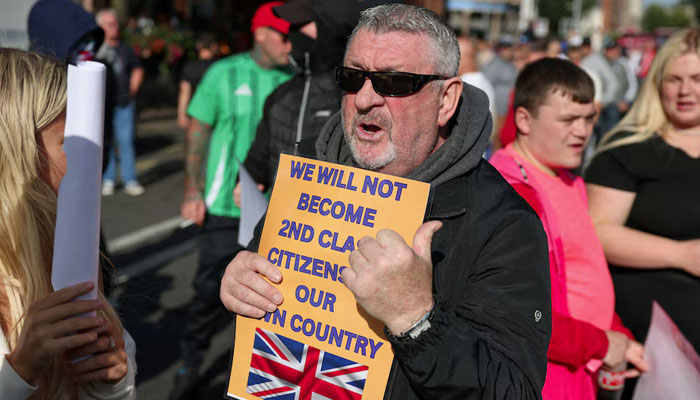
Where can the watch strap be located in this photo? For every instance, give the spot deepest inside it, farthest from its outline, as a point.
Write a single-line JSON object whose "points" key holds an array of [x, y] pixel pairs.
{"points": [[418, 327]]}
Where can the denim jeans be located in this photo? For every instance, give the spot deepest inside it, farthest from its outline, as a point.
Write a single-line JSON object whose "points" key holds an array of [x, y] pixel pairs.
{"points": [[123, 127]]}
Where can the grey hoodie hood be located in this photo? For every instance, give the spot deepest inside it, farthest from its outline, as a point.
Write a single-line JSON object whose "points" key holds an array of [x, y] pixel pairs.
{"points": [[469, 135]]}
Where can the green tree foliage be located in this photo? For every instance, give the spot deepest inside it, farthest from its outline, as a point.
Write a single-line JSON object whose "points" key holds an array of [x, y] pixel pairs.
{"points": [[656, 16], [555, 10], [696, 6]]}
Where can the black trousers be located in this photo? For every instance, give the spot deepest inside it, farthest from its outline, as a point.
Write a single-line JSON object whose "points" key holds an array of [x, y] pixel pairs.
{"points": [[218, 244]]}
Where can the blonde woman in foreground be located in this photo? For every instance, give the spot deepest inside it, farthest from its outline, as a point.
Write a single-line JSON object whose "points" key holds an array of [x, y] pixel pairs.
{"points": [[39, 336], [644, 193]]}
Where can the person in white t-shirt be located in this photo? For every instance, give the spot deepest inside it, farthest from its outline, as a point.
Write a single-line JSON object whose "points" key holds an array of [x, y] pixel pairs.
{"points": [[469, 69]]}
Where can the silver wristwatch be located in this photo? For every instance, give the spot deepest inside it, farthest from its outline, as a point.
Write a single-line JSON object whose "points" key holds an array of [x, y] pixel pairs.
{"points": [[418, 327]]}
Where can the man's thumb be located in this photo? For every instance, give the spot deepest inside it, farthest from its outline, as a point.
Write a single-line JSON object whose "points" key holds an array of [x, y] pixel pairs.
{"points": [[424, 237]]}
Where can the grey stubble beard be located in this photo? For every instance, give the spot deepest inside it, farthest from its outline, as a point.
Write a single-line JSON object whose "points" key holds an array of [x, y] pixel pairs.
{"points": [[351, 139]]}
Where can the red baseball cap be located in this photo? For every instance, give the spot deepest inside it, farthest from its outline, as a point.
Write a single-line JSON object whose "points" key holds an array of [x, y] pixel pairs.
{"points": [[265, 17]]}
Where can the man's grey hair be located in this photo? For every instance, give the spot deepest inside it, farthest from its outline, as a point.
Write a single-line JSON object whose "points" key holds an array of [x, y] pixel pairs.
{"points": [[410, 19], [100, 14]]}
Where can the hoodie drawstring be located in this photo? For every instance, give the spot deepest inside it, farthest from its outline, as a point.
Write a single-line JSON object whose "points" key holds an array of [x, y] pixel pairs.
{"points": [[307, 85]]}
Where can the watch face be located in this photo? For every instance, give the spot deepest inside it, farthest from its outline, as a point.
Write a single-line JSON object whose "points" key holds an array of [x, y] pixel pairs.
{"points": [[420, 328]]}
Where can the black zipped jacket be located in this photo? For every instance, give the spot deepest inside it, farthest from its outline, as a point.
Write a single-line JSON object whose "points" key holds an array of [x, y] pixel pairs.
{"points": [[278, 128]]}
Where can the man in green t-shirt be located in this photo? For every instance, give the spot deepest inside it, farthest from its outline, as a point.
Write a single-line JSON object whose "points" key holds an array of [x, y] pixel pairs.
{"points": [[224, 112]]}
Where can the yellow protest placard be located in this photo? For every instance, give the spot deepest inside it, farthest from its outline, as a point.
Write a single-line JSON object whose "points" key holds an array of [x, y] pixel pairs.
{"points": [[320, 343]]}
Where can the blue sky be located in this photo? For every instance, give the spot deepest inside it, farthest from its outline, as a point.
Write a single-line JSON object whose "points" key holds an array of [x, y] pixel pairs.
{"points": [[660, 2]]}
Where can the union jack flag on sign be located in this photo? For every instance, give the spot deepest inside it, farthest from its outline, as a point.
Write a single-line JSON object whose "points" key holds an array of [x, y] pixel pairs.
{"points": [[284, 369]]}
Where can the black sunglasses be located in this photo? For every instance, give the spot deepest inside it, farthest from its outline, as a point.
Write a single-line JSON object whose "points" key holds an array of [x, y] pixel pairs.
{"points": [[385, 83]]}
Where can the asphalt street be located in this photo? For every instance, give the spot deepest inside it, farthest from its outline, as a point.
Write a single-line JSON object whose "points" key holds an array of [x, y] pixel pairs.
{"points": [[155, 259]]}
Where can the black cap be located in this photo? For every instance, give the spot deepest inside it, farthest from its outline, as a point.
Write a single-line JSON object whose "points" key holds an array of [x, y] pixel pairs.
{"points": [[297, 12], [338, 12]]}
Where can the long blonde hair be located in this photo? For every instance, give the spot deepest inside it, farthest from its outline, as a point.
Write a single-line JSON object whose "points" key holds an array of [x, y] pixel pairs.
{"points": [[646, 117], [32, 95]]}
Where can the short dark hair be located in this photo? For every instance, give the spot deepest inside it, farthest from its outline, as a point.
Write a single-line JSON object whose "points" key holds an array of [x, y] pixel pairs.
{"points": [[205, 40], [550, 75], [538, 45]]}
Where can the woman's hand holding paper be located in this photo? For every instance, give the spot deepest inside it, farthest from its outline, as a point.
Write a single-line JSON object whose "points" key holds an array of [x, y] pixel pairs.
{"points": [[48, 331], [108, 362]]}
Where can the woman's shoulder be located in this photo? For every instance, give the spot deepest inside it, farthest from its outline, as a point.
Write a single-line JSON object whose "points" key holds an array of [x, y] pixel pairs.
{"points": [[624, 147], [628, 160]]}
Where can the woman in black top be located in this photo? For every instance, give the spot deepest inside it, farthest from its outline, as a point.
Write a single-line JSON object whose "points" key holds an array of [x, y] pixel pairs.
{"points": [[644, 193]]}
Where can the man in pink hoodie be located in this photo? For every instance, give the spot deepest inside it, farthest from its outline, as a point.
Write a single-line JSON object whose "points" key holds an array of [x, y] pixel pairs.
{"points": [[554, 116]]}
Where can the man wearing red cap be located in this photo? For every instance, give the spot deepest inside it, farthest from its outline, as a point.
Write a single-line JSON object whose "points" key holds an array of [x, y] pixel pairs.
{"points": [[224, 112], [300, 107]]}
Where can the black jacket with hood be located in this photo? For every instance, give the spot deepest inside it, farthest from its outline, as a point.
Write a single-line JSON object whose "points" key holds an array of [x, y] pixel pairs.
{"points": [[492, 318], [299, 108]]}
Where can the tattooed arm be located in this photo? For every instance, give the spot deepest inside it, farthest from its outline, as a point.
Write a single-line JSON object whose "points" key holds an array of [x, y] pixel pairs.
{"points": [[193, 207]]}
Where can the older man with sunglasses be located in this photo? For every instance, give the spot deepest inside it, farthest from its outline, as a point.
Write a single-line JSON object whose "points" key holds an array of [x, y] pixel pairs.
{"points": [[466, 306]]}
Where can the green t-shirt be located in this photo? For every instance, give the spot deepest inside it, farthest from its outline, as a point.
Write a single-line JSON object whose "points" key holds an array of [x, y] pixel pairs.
{"points": [[230, 98]]}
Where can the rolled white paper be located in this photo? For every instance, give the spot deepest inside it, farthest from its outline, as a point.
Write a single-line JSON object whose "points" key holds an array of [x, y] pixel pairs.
{"points": [[77, 238]]}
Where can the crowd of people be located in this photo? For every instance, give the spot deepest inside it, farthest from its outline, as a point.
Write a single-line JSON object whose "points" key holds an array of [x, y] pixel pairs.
{"points": [[563, 202]]}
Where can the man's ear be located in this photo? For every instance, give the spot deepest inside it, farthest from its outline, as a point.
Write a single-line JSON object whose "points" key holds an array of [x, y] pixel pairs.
{"points": [[449, 100], [259, 35], [522, 120]]}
